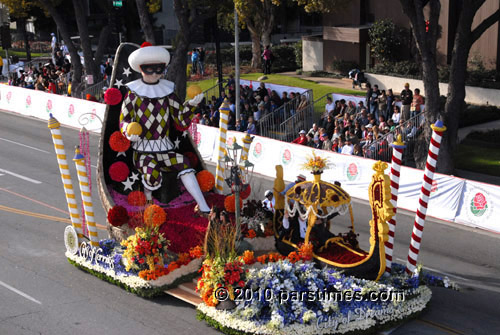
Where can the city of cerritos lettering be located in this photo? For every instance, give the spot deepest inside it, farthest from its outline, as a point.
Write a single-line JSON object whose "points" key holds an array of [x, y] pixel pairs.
{"points": [[94, 254]]}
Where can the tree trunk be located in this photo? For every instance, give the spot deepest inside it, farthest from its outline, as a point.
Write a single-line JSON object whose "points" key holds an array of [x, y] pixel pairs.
{"points": [[103, 44], [145, 21], [268, 23], [256, 49], [88, 55], [75, 58], [22, 26]]}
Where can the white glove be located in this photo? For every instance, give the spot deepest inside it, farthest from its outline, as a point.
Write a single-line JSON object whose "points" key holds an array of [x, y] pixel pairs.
{"points": [[196, 100], [133, 138]]}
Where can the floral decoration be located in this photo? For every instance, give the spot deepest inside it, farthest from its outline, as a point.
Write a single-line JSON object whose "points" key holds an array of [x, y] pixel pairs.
{"points": [[246, 191], [316, 164], [230, 203], [206, 180], [112, 96], [119, 171], [118, 142], [306, 251], [136, 198], [145, 249], [154, 216], [117, 216]]}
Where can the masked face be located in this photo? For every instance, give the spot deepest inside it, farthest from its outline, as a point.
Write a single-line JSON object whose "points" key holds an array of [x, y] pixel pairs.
{"points": [[151, 73]]}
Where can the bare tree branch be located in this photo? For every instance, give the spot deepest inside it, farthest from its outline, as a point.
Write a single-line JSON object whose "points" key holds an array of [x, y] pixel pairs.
{"points": [[481, 28]]}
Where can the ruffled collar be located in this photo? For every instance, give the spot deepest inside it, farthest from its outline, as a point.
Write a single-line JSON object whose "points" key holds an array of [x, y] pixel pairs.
{"points": [[159, 90]]}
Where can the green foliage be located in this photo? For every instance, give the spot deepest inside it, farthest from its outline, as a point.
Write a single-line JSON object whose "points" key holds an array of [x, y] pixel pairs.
{"points": [[285, 58], [386, 38], [322, 6], [474, 114], [298, 53], [344, 66], [478, 156], [408, 69]]}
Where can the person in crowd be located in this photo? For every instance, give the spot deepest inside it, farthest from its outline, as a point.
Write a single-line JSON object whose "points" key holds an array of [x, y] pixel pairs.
{"points": [[382, 104], [53, 41], [368, 97], [381, 121], [357, 150], [416, 102], [251, 127], [406, 100], [194, 61], [268, 203], [396, 116], [363, 117], [268, 58], [316, 142], [302, 139], [351, 108], [329, 107], [314, 131], [284, 97], [201, 61], [348, 148], [327, 144], [336, 133], [335, 145], [329, 126], [262, 91], [374, 101], [391, 99]]}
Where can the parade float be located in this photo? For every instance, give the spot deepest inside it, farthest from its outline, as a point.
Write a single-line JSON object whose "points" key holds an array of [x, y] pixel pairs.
{"points": [[169, 223]]}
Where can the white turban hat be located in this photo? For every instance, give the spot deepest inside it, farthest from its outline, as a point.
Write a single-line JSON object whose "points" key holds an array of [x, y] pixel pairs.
{"points": [[148, 54]]}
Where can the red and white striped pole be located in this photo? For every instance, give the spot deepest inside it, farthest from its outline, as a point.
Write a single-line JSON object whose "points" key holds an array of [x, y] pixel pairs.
{"points": [[397, 155], [430, 167]]}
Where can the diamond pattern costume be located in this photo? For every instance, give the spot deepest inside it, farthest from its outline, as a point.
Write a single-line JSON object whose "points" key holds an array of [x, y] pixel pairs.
{"points": [[155, 152]]}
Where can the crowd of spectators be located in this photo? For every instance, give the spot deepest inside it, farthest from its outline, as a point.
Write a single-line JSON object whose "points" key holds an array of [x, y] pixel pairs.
{"points": [[366, 130], [255, 104]]}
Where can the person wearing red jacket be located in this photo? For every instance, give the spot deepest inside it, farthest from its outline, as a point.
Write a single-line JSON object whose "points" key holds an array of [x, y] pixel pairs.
{"points": [[302, 139]]}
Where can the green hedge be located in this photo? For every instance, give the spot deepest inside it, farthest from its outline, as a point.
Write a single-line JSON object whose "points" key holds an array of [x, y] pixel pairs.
{"points": [[474, 114], [344, 66], [285, 57]]}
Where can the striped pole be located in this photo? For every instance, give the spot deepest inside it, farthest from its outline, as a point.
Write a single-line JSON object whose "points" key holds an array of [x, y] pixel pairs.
{"points": [[224, 118], [397, 155], [55, 131], [247, 141], [86, 196], [430, 167]]}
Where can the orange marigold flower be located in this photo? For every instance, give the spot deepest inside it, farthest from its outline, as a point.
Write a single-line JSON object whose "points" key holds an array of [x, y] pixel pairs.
{"points": [[154, 215], [196, 252], [306, 252], [230, 203], [293, 257], [206, 180], [262, 259], [248, 257], [183, 259], [172, 266]]}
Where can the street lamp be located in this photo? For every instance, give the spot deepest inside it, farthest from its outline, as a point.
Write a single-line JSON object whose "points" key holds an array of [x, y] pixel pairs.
{"points": [[238, 174]]}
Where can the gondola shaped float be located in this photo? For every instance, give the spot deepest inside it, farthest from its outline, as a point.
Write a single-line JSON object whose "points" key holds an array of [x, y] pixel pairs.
{"points": [[318, 199]]}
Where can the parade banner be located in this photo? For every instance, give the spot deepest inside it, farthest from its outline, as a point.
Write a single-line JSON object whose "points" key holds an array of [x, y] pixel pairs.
{"points": [[273, 87], [69, 111], [444, 198], [480, 205]]}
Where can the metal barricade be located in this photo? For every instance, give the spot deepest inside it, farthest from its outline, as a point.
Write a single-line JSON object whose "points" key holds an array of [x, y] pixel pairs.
{"points": [[95, 90]]}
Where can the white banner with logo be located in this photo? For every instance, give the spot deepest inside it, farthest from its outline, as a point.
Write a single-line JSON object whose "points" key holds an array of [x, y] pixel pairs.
{"points": [[444, 198], [205, 139], [273, 87], [68, 111], [480, 206]]}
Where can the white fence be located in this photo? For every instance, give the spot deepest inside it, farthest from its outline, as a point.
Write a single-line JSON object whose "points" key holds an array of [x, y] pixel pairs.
{"points": [[452, 199]]}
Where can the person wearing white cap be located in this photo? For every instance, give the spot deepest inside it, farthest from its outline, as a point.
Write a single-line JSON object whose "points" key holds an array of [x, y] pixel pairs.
{"points": [[268, 203], [53, 41], [151, 102], [302, 139]]}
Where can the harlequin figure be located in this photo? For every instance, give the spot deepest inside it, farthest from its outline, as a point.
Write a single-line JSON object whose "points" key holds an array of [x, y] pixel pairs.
{"points": [[152, 103]]}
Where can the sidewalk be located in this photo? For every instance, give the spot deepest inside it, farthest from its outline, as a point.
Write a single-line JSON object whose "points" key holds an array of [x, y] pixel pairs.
{"points": [[333, 82], [463, 132]]}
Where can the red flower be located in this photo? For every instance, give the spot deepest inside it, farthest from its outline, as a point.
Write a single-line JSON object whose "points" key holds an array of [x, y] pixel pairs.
{"points": [[241, 283], [117, 216], [112, 96], [245, 193], [136, 198], [119, 171], [118, 142], [141, 261]]}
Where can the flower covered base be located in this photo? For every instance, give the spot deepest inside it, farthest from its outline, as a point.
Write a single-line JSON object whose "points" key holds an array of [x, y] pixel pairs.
{"points": [[297, 298]]}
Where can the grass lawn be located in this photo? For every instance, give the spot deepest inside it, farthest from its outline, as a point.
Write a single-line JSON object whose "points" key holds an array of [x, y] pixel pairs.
{"points": [[22, 54], [318, 90], [478, 157]]}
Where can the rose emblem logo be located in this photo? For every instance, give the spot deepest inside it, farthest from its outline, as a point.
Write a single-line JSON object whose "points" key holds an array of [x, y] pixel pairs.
{"points": [[257, 150], [93, 115], [286, 157], [28, 101], [434, 186], [71, 110], [9, 96], [197, 138], [479, 204], [352, 171], [49, 106]]}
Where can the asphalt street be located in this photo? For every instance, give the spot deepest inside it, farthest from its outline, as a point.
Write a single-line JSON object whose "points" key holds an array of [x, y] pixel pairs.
{"points": [[41, 293]]}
